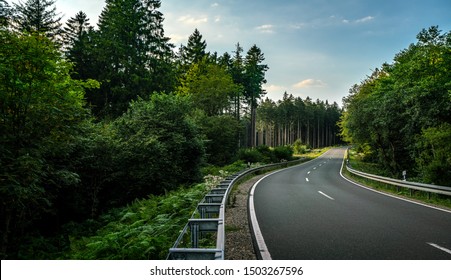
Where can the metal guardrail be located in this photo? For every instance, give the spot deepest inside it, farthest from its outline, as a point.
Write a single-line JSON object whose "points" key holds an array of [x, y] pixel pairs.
{"points": [[208, 219], [401, 183]]}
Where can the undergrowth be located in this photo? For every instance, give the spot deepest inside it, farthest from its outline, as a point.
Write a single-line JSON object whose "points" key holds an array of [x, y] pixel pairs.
{"points": [[145, 229]]}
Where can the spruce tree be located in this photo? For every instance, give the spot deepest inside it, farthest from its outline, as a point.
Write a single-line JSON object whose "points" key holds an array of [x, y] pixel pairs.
{"points": [[255, 78], [78, 46], [38, 16], [134, 55], [194, 52], [76, 27]]}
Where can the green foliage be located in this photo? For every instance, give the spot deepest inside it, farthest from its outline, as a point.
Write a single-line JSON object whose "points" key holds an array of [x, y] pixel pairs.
{"points": [[37, 16], [209, 85], [283, 153], [132, 55], [42, 117], [221, 134], [434, 161], [264, 154], [250, 155], [195, 50], [144, 230], [158, 146], [299, 148], [230, 169], [396, 113]]}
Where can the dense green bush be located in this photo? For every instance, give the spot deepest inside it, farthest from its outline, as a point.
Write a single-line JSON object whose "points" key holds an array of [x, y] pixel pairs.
{"points": [[158, 147], [283, 153], [250, 155], [264, 154], [221, 133], [268, 155], [299, 148]]}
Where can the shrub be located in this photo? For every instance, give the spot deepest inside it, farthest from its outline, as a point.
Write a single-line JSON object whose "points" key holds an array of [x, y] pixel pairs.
{"points": [[299, 148], [283, 153], [250, 155]]}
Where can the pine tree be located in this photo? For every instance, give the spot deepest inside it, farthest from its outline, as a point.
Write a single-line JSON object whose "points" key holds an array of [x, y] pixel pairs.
{"points": [[194, 51], [76, 28], [134, 55], [255, 78], [78, 47], [38, 16]]}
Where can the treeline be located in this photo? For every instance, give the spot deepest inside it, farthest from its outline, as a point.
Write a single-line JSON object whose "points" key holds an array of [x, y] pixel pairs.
{"points": [[400, 116], [95, 118], [313, 124]]}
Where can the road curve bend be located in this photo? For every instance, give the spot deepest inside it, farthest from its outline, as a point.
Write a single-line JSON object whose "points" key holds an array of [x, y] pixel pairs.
{"points": [[311, 212]]}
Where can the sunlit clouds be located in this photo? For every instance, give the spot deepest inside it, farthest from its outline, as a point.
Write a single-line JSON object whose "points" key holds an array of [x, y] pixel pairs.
{"points": [[309, 83]]}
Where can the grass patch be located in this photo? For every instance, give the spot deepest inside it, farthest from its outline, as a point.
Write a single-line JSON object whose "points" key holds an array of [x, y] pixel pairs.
{"points": [[232, 228]]}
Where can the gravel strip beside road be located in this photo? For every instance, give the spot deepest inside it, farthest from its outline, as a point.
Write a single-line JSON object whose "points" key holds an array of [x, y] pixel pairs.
{"points": [[238, 241]]}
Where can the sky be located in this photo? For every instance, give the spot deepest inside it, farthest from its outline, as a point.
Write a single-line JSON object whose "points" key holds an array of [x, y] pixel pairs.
{"points": [[314, 48]]}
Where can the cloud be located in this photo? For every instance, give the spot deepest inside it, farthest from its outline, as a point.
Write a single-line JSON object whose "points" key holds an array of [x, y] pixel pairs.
{"points": [[178, 39], [266, 28], [360, 20], [297, 26], [190, 20], [309, 83], [274, 88], [365, 19], [214, 5]]}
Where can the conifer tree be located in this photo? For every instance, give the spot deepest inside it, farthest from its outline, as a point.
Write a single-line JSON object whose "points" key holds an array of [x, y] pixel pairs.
{"points": [[38, 16], [75, 28], [134, 55], [77, 42], [255, 78], [195, 50]]}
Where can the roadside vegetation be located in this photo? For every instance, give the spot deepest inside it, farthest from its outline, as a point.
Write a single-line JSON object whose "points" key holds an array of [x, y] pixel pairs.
{"points": [[357, 161], [399, 117]]}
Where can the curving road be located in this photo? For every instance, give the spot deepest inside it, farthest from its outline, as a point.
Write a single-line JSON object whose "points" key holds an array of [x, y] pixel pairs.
{"points": [[311, 212]]}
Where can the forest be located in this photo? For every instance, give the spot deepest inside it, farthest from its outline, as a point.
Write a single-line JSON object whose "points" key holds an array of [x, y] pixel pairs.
{"points": [[95, 119], [399, 117]]}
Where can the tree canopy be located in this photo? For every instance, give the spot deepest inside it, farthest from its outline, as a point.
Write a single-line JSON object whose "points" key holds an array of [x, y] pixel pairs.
{"points": [[401, 113]]}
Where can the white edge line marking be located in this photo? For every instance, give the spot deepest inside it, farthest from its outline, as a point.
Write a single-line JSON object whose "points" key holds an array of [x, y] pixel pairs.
{"points": [[256, 228], [440, 248], [386, 194], [326, 195]]}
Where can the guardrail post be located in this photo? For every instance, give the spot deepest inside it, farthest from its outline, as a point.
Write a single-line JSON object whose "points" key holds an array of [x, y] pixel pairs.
{"points": [[194, 235]]}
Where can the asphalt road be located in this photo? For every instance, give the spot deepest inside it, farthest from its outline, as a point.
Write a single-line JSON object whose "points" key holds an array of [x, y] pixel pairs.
{"points": [[311, 212]]}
